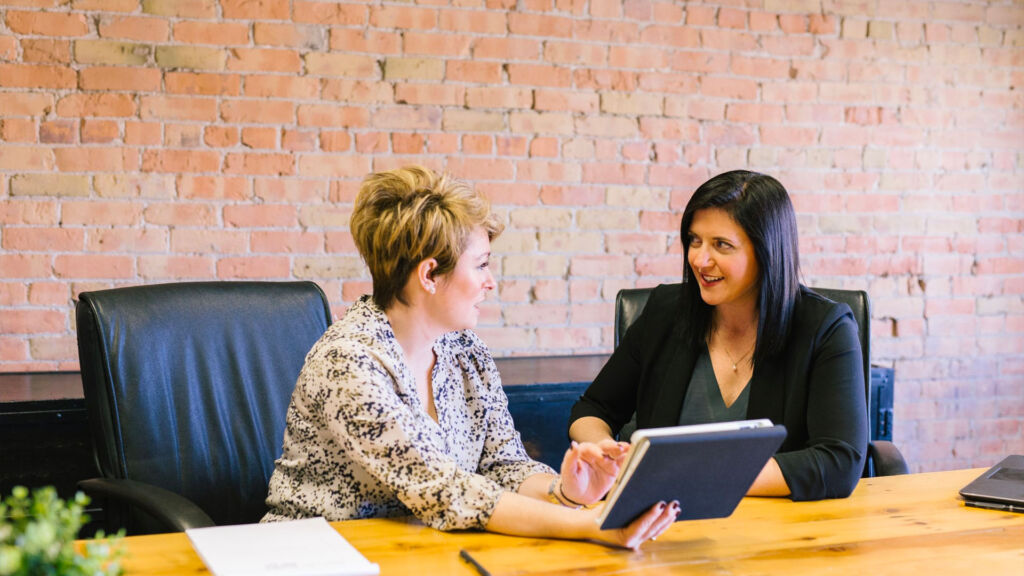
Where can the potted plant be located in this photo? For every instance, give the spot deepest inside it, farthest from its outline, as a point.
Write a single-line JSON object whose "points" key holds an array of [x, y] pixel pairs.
{"points": [[37, 537]]}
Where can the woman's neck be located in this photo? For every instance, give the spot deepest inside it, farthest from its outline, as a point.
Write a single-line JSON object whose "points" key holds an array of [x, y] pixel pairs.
{"points": [[414, 332], [735, 321]]}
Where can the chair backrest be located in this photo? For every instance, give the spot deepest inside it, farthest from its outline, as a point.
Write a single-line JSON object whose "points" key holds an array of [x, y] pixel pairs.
{"points": [[187, 384], [630, 302]]}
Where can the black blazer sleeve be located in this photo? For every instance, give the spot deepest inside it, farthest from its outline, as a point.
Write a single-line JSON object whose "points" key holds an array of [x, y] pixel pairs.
{"points": [[826, 411]]}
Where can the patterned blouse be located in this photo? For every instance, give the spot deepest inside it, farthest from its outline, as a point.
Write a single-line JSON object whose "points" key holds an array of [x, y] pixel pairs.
{"points": [[358, 443]]}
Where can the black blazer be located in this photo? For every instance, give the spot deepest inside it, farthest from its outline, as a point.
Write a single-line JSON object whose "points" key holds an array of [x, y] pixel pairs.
{"points": [[815, 388]]}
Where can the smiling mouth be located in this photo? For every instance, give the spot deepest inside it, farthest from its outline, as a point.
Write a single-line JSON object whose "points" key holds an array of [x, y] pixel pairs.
{"points": [[711, 279]]}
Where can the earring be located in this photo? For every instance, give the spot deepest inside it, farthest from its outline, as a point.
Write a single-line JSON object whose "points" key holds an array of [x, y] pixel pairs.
{"points": [[430, 288]]}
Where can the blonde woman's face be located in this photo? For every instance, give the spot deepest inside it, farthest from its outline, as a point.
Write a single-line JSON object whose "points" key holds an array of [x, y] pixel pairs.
{"points": [[460, 292]]}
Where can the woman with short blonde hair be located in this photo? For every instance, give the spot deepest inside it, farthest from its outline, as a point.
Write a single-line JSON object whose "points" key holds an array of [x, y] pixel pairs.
{"points": [[399, 407]]}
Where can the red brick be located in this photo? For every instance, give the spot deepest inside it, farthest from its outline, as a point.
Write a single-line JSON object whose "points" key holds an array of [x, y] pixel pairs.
{"points": [[36, 76], [134, 28], [106, 5], [104, 104], [182, 135], [8, 48], [444, 94], [127, 240], [180, 161], [85, 159], [637, 57], [57, 132], [298, 140], [218, 33], [406, 118], [331, 115], [366, 40], [176, 267], [264, 60], [298, 88], [255, 10], [542, 25], [331, 141], [293, 191], [539, 75], [371, 142], [214, 188], [290, 241], [118, 78], [259, 137], [257, 111], [48, 294], [493, 22], [330, 13], [93, 266], [25, 158], [266, 164], [451, 45], [178, 108], [37, 239], [505, 48], [25, 103], [474, 71], [18, 130], [574, 53], [505, 193], [45, 51], [209, 241], [31, 321], [47, 23], [255, 267], [187, 215], [407, 143], [303, 37], [406, 17], [606, 31], [220, 136]]}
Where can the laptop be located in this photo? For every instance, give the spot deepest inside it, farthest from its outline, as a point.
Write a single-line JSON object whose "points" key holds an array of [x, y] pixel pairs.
{"points": [[1001, 487]]}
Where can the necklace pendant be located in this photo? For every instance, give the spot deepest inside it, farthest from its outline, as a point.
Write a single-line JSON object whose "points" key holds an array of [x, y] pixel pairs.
{"points": [[733, 367]]}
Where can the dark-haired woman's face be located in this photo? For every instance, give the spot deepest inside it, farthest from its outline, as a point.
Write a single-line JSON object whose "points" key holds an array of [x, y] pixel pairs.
{"points": [[722, 258]]}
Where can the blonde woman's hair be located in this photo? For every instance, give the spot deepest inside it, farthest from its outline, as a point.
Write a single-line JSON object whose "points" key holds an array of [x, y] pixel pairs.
{"points": [[405, 216]]}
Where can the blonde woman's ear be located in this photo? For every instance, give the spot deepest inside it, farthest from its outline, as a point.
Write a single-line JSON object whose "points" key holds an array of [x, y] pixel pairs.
{"points": [[424, 273]]}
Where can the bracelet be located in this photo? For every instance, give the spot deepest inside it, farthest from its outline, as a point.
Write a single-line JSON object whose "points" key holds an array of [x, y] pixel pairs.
{"points": [[559, 497], [566, 498]]}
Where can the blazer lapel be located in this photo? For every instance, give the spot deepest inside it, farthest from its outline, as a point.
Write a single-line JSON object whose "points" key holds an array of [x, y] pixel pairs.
{"points": [[767, 392], [674, 370]]}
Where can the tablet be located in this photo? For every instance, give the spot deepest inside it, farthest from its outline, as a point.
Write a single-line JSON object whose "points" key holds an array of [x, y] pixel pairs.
{"points": [[708, 468]]}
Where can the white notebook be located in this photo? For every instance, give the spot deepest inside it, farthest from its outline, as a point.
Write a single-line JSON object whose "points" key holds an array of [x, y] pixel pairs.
{"points": [[309, 547]]}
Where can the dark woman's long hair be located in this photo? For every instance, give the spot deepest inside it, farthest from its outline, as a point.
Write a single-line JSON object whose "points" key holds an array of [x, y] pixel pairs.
{"points": [[761, 206]]}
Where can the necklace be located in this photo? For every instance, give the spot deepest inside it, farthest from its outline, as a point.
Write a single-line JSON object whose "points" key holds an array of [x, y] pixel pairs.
{"points": [[735, 362]]}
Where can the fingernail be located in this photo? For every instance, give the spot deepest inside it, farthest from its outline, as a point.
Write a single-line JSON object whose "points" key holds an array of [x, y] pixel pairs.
{"points": [[661, 506]]}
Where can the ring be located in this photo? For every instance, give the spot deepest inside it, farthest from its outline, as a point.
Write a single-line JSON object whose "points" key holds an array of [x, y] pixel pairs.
{"points": [[654, 537]]}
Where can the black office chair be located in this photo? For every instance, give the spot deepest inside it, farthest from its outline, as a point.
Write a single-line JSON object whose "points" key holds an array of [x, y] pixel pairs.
{"points": [[186, 388], [883, 459]]}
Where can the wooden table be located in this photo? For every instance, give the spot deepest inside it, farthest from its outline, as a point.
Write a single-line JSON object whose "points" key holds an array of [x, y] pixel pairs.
{"points": [[915, 524]]}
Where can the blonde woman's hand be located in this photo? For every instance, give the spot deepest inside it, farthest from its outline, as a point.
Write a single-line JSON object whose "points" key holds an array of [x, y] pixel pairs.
{"points": [[589, 469], [648, 526]]}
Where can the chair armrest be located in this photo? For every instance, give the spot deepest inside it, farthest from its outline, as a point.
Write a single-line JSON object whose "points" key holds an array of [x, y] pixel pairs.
{"points": [[887, 458], [172, 510]]}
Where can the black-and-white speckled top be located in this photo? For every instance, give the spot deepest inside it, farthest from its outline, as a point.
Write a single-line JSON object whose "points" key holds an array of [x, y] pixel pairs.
{"points": [[358, 443]]}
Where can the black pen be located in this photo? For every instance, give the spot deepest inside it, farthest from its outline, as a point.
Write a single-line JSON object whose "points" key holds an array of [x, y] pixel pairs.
{"points": [[479, 567]]}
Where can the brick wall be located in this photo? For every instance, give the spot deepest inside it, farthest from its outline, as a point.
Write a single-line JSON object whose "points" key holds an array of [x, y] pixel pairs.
{"points": [[160, 140]]}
